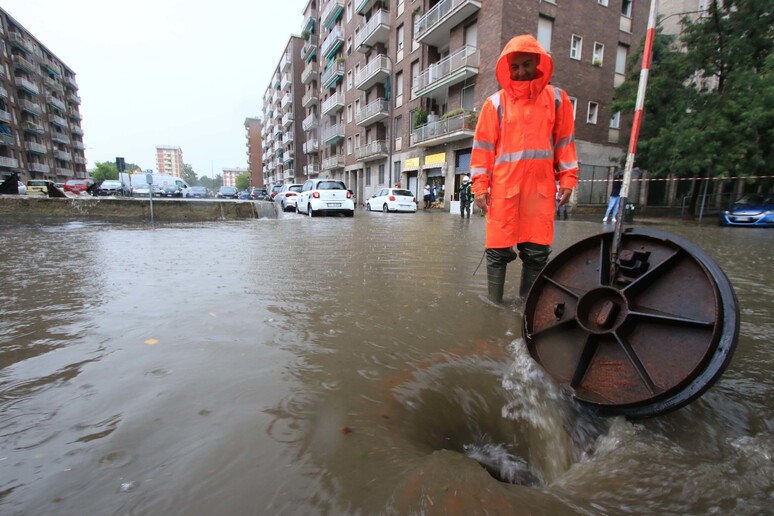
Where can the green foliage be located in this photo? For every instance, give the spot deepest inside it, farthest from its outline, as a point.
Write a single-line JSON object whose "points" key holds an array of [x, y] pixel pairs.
{"points": [[709, 109], [242, 181], [452, 113], [212, 184], [104, 170], [420, 116], [189, 175]]}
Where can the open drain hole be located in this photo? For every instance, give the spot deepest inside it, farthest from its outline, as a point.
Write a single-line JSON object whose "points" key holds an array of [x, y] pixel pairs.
{"points": [[503, 465]]}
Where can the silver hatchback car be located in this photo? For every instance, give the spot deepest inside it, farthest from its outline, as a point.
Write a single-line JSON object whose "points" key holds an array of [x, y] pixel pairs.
{"points": [[287, 195]]}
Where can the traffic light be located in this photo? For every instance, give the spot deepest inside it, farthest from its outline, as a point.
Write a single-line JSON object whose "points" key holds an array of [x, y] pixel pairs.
{"points": [[120, 165]]}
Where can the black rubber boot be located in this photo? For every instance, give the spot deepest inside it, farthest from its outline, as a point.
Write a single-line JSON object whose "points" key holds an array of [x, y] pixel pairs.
{"points": [[533, 258], [497, 261]]}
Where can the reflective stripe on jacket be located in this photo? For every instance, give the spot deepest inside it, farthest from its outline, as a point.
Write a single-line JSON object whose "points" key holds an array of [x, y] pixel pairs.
{"points": [[524, 142]]}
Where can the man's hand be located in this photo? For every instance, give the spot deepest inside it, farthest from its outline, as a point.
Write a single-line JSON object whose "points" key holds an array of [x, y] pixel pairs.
{"points": [[482, 201], [564, 196]]}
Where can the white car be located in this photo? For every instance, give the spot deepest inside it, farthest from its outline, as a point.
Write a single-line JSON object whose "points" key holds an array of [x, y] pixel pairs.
{"points": [[287, 196], [324, 196], [392, 199]]}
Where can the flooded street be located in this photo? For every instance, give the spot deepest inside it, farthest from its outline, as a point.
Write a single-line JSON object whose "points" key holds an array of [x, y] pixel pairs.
{"points": [[339, 366]]}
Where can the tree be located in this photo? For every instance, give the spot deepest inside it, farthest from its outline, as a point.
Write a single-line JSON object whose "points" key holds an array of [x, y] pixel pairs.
{"points": [[212, 184], [189, 175], [709, 109], [104, 170], [242, 181]]}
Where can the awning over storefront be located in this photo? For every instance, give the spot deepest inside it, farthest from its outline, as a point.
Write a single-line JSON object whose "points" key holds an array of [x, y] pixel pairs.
{"points": [[435, 159], [411, 164]]}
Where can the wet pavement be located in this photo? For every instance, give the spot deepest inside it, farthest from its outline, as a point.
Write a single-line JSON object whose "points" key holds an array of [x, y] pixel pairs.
{"points": [[339, 366]]}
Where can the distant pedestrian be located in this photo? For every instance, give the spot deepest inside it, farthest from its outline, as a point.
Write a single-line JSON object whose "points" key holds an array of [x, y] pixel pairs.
{"points": [[426, 194], [615, 198], [560, 207], [466, 197]]}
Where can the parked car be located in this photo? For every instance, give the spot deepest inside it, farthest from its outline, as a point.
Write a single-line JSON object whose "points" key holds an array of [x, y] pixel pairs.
{"points": [[111, 187], [143, 190], [392, 199], [77, 186], [751, 210], [38, 186], [275, 190], [287, 195], [227, 192], [322, 196], [199, 192], [170, 191], [260, 194]]}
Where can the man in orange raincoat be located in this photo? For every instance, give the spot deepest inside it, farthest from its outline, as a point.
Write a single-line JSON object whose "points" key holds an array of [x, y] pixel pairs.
{"points": [[524, 143]]}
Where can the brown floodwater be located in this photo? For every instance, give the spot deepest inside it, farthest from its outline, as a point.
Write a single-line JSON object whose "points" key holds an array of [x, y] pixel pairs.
{"points": [[339, 366]]}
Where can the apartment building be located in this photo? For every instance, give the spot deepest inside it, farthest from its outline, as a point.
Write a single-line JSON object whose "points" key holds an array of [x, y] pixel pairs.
{"points": [[391, 89], [253, 128], [230, 175], [169, 160], [40, 121]]}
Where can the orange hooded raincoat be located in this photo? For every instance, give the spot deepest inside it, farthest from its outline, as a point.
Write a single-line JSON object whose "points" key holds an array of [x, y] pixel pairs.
{"points": [[524, 143]]}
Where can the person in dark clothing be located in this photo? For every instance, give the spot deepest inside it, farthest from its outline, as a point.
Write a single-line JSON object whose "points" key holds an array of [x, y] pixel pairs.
{"points": [[466, 197], [615, 198]]}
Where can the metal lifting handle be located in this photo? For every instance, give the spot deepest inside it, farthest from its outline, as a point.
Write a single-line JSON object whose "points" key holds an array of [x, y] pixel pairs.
{"points": [[647, 56]]}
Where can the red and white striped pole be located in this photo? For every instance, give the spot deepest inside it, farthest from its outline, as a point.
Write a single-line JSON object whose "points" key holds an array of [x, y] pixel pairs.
{"points": [[647, 56]]}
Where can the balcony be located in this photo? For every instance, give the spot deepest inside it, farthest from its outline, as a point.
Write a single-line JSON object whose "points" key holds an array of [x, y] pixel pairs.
{"points": [[287, 100], [376, 71], [38, 167], [285, 82], [9, 162], [375, 150], [52, 66], [56, 102], [285, 63], [3, 92], [276, 80], [434, 27], [446, 130], [376, 30], [312, 146], [54, 86], [333, 74], [277, 131], [5, 116], [6, 139], [332, 134], [457, 67], [31, 107], [377, 110], [32, 127], [289, 174], [27, 85], [310, 48], [332, 43], [310, 72], [80, 160], [75, 99], [287, 119], [332, 12], [57, 120], [77, 144], [333, 104], [19, 42], [310, 98], [312, 169], [60, 138], [333, 162], [363, 6], [25, 64], [66, 172], [309, 20], [278, 115], [76, 129], [288, 156], [309, 122], [74, 114], [70, 81], [64, 156]]}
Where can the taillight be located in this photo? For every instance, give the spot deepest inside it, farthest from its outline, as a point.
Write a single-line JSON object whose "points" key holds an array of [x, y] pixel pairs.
{"points": [[316, 195], [415, 199], [349, 194], [290, 194], [392, 197]]}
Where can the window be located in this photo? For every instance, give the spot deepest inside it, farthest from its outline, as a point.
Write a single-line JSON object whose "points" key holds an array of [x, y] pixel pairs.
{"points": [[591, 117], [349, 145], [368, 176], [468, 98], [399, 44], [349, 80], [471, 35], [381, 174], [349, 46], [414, 42], [357, 105], [620, 59], [615, 120], [357, 141], [545, 30], [349, 113], [598, 55], [574, 107], [414, 75], [626, 8], [398, 89], [397, 127], [576, 46], [349, 11], [602, 2]]}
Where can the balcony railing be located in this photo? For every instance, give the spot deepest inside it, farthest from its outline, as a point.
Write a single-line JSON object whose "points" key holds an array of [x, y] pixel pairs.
{"points": [[54, 86], [64, 156], [376, 30], [333, 104], [74, 114], [286, 100], [454, 68], [58, 120], [77, 144], [377, 70], [375, 150], [76, 129], [37, 148], [377, 110], [445, 130], [332, 74], [31, 87], [309, 123], [3, 92], [75, 99], [287, 157], [66, 172], [7, 139], [333, 162], [287, 119], [310, 72], [285, 62], [70, 81], [332, 43], [312, 169], [287, 138], [310, 98], [311, 146], [38, 167], [433, 28], [25, 64], [331, 12], [289, 174], [31, 107], [309, 48], [19, 42], [333, 134], [32, 127], [56, 102], [60, 138], [5, 116], [9, 162], [286, 82]]}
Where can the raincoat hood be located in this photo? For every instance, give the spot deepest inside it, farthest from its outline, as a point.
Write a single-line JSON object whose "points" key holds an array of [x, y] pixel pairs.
{"points": [[545, 67]]}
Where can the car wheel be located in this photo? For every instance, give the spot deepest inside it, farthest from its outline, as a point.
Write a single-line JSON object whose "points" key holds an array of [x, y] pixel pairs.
{"points": [[309, 210], [350, 213], [385, 209], [368, 206]]}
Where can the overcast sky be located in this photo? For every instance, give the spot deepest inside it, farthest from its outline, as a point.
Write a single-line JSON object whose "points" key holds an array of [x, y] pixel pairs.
{"points": [[165, 72]]}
